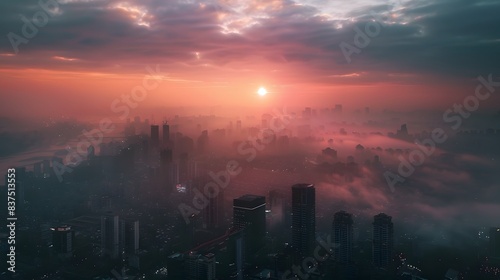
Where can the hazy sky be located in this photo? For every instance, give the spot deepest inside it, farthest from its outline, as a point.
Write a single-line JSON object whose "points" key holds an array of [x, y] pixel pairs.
{"points": [[427, 54]]}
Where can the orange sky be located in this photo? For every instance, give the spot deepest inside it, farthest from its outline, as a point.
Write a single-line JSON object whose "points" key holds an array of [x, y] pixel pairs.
{"points": [[219, 52]]}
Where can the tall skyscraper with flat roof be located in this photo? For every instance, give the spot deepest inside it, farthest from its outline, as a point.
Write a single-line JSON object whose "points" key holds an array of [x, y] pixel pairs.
{"points": [[62, 240], [129, 236], [303, 218], [166, 134], [343, 236], [383, 240], [155, 135], [249, 213], [110, 242]]}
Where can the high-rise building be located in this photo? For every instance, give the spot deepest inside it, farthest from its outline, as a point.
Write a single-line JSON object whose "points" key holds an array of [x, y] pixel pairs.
{"points": [[200, 267], [236, 249], [110, 242], [166, 156], [129, 236], [249, 214], [494, 246], [303, 218], [383, 240], [155, 135], [166, 134], [62, 240], [213, 213], [343, 236]]}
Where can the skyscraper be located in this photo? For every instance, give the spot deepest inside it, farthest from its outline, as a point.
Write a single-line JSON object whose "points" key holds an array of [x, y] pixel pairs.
{"points": [[494, 247], [110, 236], [343, 235], [166, 134], [63, 240], [200, 267], [155, 135], [249, 213], [213, 214], [383, 240], [303, 218], [129, 236]]}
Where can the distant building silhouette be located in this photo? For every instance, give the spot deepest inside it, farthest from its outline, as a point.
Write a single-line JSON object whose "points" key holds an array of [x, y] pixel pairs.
{"points": [[402, 133], [329, 152], [383, 240], [343, 236], [166, 135], [155, 135], [303, 218]]}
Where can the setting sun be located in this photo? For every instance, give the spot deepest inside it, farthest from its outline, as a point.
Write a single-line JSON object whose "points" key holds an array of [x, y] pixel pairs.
{"points": [[262, 91]]}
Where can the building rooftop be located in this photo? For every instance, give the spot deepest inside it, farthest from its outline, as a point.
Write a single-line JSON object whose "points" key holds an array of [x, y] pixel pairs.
{"points": [[302, 186]]}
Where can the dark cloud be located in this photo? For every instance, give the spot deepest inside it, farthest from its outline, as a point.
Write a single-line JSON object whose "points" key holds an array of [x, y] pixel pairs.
{"points": [[444, 38]]}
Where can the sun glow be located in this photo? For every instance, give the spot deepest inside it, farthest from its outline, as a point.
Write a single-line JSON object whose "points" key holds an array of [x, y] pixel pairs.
{"points": [[262, 91]]}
